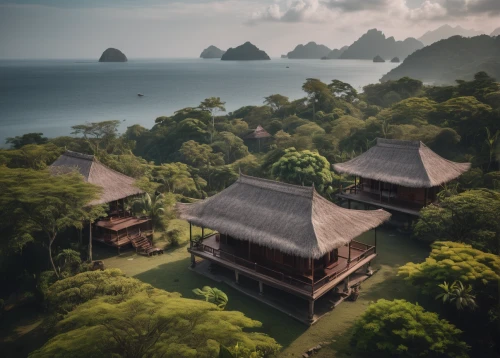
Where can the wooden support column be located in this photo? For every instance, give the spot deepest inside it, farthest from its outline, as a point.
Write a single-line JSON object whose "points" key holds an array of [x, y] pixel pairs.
{"points": [[90, 241], [346, 284], [355, 184], [311, 310], [375, 240], [261, 288], [312, 275], [193, 259], [380, 189]]}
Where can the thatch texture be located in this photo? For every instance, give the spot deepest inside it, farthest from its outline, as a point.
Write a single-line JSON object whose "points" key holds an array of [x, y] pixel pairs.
{"points": [[407, 163], [115, 185], [258, 133], [293, 219]]}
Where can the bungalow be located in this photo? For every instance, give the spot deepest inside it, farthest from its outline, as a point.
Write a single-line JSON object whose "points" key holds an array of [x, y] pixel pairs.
{"points": [[285, 236], [398, 175]]}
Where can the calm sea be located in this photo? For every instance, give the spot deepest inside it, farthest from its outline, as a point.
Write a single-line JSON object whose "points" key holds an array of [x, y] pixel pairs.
{"points": [[51, 96]]}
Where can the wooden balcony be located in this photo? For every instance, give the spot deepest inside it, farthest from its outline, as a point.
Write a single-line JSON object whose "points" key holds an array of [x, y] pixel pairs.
{"points": [[300, 285], [382, 200]]}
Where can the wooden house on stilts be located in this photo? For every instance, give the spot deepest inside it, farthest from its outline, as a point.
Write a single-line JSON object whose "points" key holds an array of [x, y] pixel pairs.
{"points": [[397, 175], [285, 236], [120, 228]]}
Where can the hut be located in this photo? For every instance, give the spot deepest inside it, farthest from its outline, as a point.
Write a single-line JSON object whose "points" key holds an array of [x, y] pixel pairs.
{"points": [[286, 236], [254, 138], [119, 228], [398, 175]]}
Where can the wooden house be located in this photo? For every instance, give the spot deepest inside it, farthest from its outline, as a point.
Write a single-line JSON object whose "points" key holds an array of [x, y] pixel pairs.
{"points": [[285, 236], [258, 138], [398, 175], [119, 228]]}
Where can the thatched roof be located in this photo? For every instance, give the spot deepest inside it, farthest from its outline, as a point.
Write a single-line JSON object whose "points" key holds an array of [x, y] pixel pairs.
{"points": [[258, 133], [406, 163], [293, 219], [115, 185]]}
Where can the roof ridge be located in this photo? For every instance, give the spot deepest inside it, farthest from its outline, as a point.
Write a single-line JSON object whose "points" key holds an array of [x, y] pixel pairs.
{"points": [[78, 155], [409, 144], [304, 190]]}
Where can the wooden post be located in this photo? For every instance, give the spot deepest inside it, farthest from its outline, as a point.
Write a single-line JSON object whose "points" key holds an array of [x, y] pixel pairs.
{"points": [[349, 255], [202, 232], [355, 184], [380, 189], [90, 241], [375, 240], [123, 206], [193, 259], [261, 288], [312, 277], [311, 310], [346, 284]]}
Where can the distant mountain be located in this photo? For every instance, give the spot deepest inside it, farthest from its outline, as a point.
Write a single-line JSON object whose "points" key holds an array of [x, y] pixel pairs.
{"points": [[374, 43], [496, 32], [113, 55], [309, 51], [212, 52], [446, 31], [454, 58], [335, 53], [245, 52]]}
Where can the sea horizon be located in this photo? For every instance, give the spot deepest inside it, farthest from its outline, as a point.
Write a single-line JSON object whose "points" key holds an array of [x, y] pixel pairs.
{"points": [[49, 96]]}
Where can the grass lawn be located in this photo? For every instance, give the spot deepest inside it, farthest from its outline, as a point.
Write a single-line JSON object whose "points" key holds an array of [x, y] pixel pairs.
{"points": [[170, 272]]}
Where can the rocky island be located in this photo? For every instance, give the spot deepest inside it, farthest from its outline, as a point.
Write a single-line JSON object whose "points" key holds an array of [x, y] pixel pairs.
{"points": [[378, 59], [310, 51], [395, 60], [375, 43], [245, 52], [212, 52], [113, 55]]}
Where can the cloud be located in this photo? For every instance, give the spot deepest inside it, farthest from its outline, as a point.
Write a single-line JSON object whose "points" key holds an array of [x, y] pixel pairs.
{"points": [[420, 10], [357, 5], [293, 11]]}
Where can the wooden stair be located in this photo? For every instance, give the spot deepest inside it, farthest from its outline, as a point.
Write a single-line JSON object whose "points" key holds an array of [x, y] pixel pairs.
{"points": [[143, 245]]}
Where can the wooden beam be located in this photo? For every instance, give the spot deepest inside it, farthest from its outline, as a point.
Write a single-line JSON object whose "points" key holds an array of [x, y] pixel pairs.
{"points": [[311, 310]]}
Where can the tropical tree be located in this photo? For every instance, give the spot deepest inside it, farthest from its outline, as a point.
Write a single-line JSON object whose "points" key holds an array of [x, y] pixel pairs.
{"points": [[493, 143], [452, 261], [276, 101], [303, 168], [152, 207], [212, 105], [214, 295], [28, 138], [470, 217], [317, 92], [459, 294], [401, 329], [343, 90], [96, 133], [232, 146], [150, 323], [39, 202]]}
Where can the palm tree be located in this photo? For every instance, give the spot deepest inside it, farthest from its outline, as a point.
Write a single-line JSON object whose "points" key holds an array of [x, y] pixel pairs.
{"points": [[459, 294], [491, 141], [151, 206], [214, 295]]}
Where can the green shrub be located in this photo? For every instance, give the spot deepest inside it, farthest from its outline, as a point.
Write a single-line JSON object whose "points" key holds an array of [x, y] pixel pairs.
{"points": [[401, 329], [174, 237]]}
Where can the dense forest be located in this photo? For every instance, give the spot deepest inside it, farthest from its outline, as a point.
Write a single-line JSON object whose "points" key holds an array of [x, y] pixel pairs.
{"points": [[197, 152]]}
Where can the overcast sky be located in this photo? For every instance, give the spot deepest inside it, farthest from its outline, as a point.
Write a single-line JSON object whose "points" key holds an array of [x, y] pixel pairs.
{"points": [[182, 28]]}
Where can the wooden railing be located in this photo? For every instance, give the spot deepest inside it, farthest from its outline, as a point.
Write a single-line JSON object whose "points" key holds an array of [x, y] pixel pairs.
{"points": [[280, 276], [307, 286]]}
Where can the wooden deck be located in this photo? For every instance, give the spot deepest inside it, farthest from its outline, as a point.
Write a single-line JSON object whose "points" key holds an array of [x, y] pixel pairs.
{"points": [[391, 204], [301, 286]]}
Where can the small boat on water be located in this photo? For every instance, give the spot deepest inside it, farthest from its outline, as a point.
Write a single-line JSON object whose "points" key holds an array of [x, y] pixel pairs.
{"points": [[140, 94]]}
